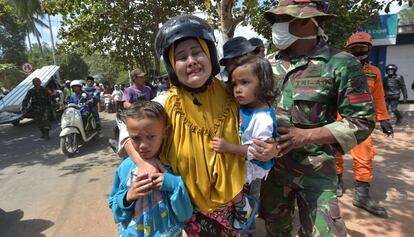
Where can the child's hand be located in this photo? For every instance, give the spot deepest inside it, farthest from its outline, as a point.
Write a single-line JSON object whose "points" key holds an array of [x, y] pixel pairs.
{"points": [[139, 188], [157, 179], [220, 145]]}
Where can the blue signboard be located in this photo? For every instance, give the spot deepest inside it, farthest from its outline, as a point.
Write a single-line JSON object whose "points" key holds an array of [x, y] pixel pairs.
{"points": [[384, 30]]}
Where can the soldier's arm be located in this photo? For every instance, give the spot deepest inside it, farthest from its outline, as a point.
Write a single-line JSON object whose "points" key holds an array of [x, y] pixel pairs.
{"points": [[403, 87], [354, 105], [27, 99]]}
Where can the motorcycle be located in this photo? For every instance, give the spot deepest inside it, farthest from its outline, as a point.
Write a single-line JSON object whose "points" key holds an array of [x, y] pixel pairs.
{"points": [[109, 103], [120, 120], [78, 127]]}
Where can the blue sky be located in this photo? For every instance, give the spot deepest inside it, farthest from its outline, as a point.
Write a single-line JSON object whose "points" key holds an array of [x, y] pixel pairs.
{"points": [[55, 22]]}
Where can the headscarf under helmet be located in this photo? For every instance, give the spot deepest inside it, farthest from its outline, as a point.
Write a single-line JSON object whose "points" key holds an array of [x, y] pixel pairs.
{"points": [[179, 28]]}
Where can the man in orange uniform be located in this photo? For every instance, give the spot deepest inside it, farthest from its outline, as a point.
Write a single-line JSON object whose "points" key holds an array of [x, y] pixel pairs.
{"points": [[359, 44]]}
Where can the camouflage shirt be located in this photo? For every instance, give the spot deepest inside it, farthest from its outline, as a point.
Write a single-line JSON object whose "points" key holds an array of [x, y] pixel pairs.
{"points": [[314, 88], [39, 99]]}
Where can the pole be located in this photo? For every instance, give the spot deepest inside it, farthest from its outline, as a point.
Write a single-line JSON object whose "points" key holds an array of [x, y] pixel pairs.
{"points": [[53, 51], [129, 77], [53, 43]]}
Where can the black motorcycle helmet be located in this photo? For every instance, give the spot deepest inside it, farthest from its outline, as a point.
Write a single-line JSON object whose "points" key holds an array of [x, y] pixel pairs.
{"points": [[181, 27], [391, 69]]}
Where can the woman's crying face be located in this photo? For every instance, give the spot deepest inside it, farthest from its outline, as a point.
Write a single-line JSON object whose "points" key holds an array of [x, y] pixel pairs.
{"points": [[193, 67]]}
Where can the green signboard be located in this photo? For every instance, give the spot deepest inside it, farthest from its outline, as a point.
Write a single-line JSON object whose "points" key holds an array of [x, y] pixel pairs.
{"points": [[384, 30]]}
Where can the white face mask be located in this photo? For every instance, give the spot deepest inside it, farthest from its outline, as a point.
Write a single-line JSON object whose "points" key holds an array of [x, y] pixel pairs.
{"points": [[281, 36]]}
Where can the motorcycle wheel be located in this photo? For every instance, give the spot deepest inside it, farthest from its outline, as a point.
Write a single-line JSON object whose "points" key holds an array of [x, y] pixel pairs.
{"points": [[69, 144]]}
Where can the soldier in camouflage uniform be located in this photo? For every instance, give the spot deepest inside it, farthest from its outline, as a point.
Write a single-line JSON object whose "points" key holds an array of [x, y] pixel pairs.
{"points": [[40, 105], [317, 82]]}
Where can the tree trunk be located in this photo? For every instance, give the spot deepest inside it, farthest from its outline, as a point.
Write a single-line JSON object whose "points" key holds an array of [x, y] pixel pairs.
{"points": [[40, 46], [28, 38], [227, 24], [156, 63], [37, 38]]}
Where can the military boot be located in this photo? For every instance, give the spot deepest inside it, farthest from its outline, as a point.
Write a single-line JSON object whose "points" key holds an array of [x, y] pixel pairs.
{"points": [[363, 200], [340, 187]]}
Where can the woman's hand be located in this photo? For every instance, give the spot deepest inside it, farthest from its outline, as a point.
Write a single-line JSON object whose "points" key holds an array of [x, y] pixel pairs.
{"points": [[150, 166], [157, 179], [140, 187], [264, 150]]}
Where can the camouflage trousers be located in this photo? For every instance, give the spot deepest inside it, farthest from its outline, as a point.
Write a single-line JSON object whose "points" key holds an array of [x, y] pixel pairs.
{"points": [[318, 211], [41, 117]]}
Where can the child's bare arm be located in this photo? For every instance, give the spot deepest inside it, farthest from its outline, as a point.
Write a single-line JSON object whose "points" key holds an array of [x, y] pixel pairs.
{"points": [[221, 145]]}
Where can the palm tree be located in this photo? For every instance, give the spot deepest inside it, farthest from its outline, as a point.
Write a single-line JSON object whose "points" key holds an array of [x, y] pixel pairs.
{"points": [[30, 12]]}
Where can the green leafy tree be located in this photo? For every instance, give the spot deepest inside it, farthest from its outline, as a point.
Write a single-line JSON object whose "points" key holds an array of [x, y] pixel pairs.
{"points": [[226, 15], [351, 16], [406, 16], [10, 75], [12, 44], [31, 14], [72, 66], [36, 58], [103, 64], [5, 8], [123, 29]]}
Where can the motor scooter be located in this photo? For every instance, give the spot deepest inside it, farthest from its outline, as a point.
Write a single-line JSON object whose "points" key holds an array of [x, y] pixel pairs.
{"points": [[119, 121], [78, 127], [109, 103]]}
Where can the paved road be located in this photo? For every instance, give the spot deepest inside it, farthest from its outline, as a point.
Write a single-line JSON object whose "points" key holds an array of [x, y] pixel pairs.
{"points": [[43, 193]]}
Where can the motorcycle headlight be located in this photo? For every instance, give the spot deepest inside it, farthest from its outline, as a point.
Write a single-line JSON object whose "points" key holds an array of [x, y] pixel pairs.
{"points": [[69, 117]]}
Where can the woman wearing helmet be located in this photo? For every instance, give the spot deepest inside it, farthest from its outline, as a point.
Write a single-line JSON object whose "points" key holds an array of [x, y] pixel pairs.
{"points": [[200, 108], [359, 44]]}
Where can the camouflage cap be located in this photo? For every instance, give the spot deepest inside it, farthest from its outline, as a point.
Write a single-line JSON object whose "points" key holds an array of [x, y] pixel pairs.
{"points": [[301, 9]]}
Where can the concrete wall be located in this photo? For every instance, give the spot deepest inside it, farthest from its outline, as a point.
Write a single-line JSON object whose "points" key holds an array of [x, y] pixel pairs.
{"points": [[403, 57]]}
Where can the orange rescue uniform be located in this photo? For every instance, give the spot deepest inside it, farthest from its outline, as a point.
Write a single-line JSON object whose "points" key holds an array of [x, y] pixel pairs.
{"points": [[364, 153]]}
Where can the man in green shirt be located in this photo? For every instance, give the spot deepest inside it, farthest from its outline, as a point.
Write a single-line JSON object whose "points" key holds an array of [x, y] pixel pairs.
{"points": [[40, 104], [67, 91], [317, 82]]}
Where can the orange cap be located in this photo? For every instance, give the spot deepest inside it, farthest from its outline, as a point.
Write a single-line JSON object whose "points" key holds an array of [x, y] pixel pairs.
{"points": [[359, 38]]}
